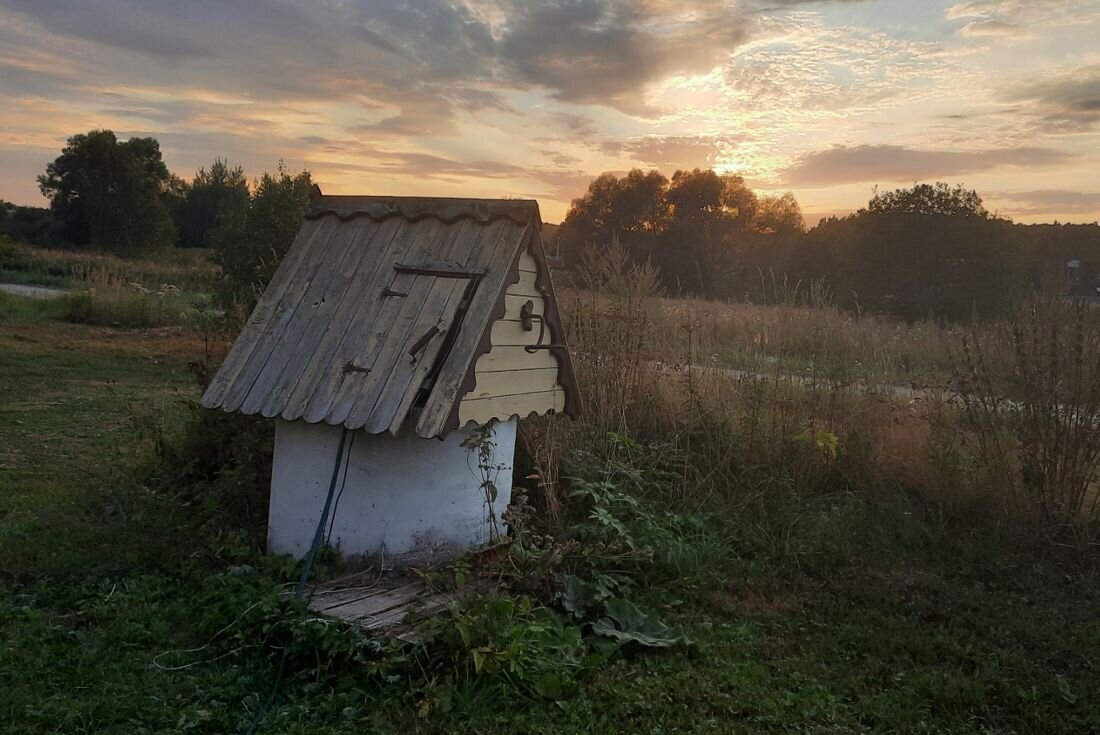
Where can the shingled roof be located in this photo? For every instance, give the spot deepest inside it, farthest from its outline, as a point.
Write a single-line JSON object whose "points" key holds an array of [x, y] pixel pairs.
{"points": [[380, 310]]}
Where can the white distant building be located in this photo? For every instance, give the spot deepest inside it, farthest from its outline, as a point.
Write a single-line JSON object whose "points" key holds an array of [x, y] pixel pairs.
{"points": [[422, 327]]}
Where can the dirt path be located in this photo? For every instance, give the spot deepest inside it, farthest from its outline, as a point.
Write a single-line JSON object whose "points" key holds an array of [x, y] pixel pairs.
{"points": [[31, 292]]}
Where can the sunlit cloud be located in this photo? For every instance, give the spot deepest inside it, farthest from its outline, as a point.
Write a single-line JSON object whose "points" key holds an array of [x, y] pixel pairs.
{"points": [[892, 163], [1052, 201], [508, 97]]}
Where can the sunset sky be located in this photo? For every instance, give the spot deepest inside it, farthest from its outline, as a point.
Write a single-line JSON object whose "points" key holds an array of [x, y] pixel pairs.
{"points": [[509, 98]]}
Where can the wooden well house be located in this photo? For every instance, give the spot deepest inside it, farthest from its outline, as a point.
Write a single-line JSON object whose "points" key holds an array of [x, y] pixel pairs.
{"points": [[425, 328]]}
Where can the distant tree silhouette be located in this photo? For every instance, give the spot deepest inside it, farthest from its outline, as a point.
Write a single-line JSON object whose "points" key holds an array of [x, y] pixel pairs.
{"points": [[34, 225], [707, 208], [939, 198], [632, 208], [929, 250], [110, 194], [692, 226], [215, 196]]}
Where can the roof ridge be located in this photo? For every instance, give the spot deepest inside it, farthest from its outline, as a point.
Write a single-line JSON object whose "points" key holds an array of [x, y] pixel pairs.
{"points": [[447, 219], [446, 209]]}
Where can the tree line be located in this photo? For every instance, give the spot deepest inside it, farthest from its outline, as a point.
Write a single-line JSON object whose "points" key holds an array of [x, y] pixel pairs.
{"points": [[928, 250], [931, 250], [119, 196]]}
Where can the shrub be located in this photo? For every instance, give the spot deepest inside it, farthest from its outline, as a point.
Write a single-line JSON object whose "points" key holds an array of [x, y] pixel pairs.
{"points": [[1033, 414], [251, 243], [134, 306], [218, 464]]}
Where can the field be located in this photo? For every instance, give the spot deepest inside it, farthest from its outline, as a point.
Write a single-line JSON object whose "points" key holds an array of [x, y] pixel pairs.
{"points": [[810, 540]]}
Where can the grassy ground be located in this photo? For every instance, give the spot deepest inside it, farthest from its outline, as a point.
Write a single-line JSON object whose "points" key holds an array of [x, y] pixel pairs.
{"points": [[838, 612], [75, 403]]}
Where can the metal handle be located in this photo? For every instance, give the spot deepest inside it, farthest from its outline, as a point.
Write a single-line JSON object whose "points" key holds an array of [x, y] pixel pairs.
{"points": [[527, 317]]}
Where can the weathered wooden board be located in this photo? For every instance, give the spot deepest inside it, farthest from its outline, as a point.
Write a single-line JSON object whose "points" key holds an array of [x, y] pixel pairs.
{"points": [[498, 261], [250, 350], [390, 606], [525, 286], [351, 360], [510, 333], [321, 375], [514, 382], [527, 263], [511, 357], [514, 304], [482, 410]]}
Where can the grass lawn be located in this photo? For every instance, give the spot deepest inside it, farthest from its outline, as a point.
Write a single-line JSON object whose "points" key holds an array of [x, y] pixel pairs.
{"points": [[827, 614]]}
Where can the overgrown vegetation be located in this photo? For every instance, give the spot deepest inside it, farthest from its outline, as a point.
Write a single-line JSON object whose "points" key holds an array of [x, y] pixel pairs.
{"points": [[813, 597], [707, 549], [1034, 425], [173, 289], [250, 244]]}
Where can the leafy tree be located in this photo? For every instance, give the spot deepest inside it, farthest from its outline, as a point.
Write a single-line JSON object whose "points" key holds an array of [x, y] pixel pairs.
{"points": [[110, 194], [707, 197], [632, 208], [249, 244], [939, 198], [215, 196], [778, 215], [931, 250], [688, 226], [707, 209]]}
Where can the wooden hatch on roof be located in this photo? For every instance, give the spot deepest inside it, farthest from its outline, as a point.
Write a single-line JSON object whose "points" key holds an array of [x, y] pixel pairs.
{"points": [[386, 309]]}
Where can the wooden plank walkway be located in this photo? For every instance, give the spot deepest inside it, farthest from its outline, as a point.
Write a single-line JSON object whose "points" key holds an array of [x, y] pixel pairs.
{"points": [[388, 606]]}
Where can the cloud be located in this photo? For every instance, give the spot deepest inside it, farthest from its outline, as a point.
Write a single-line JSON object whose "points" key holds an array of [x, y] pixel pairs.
{"points": [[767, 5], [1021, 14], [132, 26], [1052, 201], [671, 152], [799, 64], [1066, 103], [891, 163], [993, 28], [355, 155], [564, 185], [524, 94], [559, 158], [599, 52], [607, 52]]}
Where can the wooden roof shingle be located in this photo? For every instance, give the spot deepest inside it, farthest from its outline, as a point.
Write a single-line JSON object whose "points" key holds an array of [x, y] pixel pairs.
{"points": [[379, 310]]}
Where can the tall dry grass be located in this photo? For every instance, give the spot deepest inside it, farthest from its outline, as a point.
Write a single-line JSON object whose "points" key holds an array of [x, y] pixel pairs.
{"points": [[188, 269], [648, 370], [168, 288], [815, 404], [1032, 411]]}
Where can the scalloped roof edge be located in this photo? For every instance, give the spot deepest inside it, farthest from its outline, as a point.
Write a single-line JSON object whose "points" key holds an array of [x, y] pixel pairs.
{"points": [[446, 209]]}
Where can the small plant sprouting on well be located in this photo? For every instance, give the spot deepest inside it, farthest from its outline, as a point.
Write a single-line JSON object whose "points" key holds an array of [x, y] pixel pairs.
{"points": [[482, 444]]}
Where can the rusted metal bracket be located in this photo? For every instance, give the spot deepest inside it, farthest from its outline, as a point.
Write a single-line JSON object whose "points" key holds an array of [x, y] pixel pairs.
{"points": [[527, 315], [439, 270], [421, 343], [350, 367]]}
